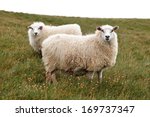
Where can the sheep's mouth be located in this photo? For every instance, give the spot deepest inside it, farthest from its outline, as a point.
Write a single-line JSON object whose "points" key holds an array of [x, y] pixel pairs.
{"points": [[35, 34], [107, 39]]}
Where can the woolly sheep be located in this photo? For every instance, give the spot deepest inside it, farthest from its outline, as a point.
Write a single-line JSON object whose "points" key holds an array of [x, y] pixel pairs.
{"points": [[70, 53], [38, 31]]}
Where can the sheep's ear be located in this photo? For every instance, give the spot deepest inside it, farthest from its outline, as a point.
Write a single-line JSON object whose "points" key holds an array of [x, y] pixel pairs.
{"points": [[100, 29], [41, 27], [115, 28], [29, 27]]}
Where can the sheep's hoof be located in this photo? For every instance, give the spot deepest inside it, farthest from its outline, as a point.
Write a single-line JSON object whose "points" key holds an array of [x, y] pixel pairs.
{"points": [[55, 82], [48, 81], [100, 81]]}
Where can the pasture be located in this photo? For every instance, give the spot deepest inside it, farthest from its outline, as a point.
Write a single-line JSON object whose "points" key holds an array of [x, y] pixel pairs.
{"points": [[22, 74]]}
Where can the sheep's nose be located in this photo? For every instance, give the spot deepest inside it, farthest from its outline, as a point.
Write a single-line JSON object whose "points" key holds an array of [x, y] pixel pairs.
{"points": [[35, 33], [107, 37]]}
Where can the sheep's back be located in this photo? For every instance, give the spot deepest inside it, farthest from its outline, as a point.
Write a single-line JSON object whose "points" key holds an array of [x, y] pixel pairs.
{"points": [[69, 52]]}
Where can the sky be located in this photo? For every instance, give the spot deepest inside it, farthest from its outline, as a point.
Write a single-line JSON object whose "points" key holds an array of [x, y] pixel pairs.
{"points": [[81, 8]]}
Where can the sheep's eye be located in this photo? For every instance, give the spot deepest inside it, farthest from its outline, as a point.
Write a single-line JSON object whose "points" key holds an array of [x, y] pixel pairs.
{"points": [[102, 30], [40, 27], [112, 31], [30, 28]]}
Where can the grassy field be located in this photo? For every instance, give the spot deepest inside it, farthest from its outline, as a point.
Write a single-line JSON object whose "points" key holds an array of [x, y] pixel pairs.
{"points": [[22, 74]]}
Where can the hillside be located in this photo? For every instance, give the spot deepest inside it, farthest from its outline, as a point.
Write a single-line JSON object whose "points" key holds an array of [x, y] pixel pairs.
{"points": [[22, 74]]}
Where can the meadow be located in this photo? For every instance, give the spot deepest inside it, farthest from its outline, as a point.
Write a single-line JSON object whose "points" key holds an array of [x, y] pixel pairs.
{"points": [[22, 74]]}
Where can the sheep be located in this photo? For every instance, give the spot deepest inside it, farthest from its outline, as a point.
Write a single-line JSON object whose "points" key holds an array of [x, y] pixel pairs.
{"points": [[71, 53], [38, 31]]}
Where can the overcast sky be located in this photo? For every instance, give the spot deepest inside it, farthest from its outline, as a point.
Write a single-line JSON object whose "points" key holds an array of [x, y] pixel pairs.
{"points": [[81, 8]]}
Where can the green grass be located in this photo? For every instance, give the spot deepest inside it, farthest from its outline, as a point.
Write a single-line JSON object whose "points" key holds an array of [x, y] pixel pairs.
{"points": [[22, 74]]}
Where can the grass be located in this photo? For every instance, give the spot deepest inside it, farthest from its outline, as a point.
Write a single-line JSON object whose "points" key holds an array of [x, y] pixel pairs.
{"points": [[22, 74]]}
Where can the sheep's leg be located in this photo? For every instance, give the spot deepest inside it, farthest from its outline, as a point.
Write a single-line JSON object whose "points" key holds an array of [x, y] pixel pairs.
{"points": [[48, 77], [99, 73], [40, 53], [51, 77], [54, 78], [90, 75]]}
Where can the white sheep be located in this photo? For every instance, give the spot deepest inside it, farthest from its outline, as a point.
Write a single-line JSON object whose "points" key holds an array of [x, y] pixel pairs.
{"points": [[91, 53], [38, 31]]}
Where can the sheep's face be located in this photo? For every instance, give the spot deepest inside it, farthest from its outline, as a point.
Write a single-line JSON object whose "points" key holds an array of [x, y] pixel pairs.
{"points": [[36, 28], [107, 32]]}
